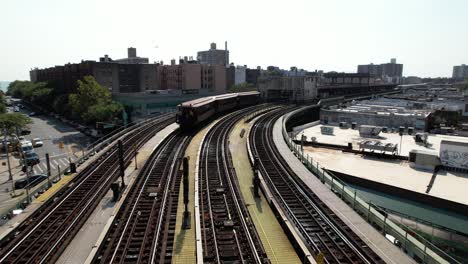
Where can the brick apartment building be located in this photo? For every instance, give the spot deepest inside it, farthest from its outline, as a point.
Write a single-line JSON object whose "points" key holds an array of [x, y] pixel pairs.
{"points": [[190, 77], [128, 75]]}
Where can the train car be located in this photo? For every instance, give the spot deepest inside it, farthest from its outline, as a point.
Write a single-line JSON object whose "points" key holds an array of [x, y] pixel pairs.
{"points": [[225, 102], [196, 111], [248, 98], [192, 113]]}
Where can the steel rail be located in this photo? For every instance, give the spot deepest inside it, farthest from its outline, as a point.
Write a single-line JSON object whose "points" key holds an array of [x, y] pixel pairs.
{"points": [[216, 143], [140, 210], [265, 124], [11, 243]]}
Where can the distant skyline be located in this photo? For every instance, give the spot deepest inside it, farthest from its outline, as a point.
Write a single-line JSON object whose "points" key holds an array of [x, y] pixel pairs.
{"points": [[428, 37]]}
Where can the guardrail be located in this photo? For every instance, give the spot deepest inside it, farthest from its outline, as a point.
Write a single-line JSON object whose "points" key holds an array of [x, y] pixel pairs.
{"points": [[92, 149], [413, 246]]}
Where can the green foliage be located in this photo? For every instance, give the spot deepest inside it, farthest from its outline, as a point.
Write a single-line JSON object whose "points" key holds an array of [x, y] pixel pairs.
{"points": [[60, 105], [92, 102], [2, 103], [36, 93], [102, 112], [11, 121], [242, 87]]}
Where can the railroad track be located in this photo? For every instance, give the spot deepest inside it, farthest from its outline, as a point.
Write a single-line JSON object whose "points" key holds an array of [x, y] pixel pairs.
{"points": [[43, 236], [227, 233], [143, 230], [323, 231]]}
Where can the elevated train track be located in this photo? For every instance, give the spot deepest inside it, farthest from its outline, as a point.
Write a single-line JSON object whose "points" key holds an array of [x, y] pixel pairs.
{"points": [[143, 229], [43, 236], [227, 233], [322, 230]]}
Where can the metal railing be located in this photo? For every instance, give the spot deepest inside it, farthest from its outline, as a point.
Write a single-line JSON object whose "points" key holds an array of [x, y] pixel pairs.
{"points": [[93, 148], [413, 246]]}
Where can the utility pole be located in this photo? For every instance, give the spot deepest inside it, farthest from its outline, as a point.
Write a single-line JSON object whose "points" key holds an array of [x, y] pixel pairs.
{"points": [[28, 168], [48, 168], [186, 219], [5, 145], [121, 162]]}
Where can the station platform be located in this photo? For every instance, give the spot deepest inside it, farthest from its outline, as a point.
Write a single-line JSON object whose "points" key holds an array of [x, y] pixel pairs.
{"points": [[375, 240], [82, 248], [184, 251], [277, 245]]}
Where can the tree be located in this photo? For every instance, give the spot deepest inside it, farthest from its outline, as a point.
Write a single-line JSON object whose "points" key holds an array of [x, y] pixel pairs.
{"points": [[92, 102], [2, 103], [102, 112], [11, 121], [242, 87]]}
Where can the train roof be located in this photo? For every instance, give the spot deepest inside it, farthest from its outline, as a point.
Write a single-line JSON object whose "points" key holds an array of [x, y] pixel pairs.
{"points": [[225, 96], [210, 99], [198, 102], [249, 93]]}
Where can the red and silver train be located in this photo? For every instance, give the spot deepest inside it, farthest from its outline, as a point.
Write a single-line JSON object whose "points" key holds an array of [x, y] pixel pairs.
{"points": [[192, 113]]}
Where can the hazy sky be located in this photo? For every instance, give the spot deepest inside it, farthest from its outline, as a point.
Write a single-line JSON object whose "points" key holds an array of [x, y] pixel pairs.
{"points": [[427, 36]]}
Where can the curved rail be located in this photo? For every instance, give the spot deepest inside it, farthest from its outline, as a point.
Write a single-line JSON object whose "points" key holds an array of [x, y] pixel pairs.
{"points": [[228, 235], [322, 230], [46, 233]]}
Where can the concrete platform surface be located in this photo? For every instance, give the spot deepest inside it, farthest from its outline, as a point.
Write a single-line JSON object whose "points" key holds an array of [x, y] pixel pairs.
{"points": [[277, 245], [375, 240], [184, 251], [88, 238]]}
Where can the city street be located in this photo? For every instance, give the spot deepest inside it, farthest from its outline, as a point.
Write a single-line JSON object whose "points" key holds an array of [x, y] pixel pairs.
{"points": [[53, 133]]}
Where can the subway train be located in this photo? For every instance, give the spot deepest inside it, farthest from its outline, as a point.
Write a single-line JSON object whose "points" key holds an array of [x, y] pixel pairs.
{"points": [[192, 113]]}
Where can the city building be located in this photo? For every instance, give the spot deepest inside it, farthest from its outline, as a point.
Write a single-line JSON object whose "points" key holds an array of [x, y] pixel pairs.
{"points": [[190, 77], [317, 85], [119, 76], [239, 74], [214, 56], [289, 88], [132, 58], [389, 72], [251, 75], [460, 72]]}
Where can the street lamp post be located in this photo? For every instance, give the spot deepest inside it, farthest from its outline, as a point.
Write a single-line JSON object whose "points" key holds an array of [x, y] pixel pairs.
{"points": [[5, 145]]}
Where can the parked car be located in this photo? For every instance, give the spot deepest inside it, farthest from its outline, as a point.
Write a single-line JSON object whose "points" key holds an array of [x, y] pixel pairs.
{"points": [[31, 158], [25, 131], [26, 148], [37, 142], [33, 181]]}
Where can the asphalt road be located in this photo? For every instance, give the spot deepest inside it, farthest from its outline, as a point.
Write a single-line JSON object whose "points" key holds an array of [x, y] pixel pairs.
{"points": [[53, 132]]}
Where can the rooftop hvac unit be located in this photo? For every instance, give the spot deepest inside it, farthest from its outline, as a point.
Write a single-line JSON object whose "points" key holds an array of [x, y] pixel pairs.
{"points": [[326, 130]]}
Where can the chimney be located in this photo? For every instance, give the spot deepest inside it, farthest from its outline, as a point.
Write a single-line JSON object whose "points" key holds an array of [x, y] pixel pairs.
{"points": [[131, 52], [226, 53], [213, 46]]}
